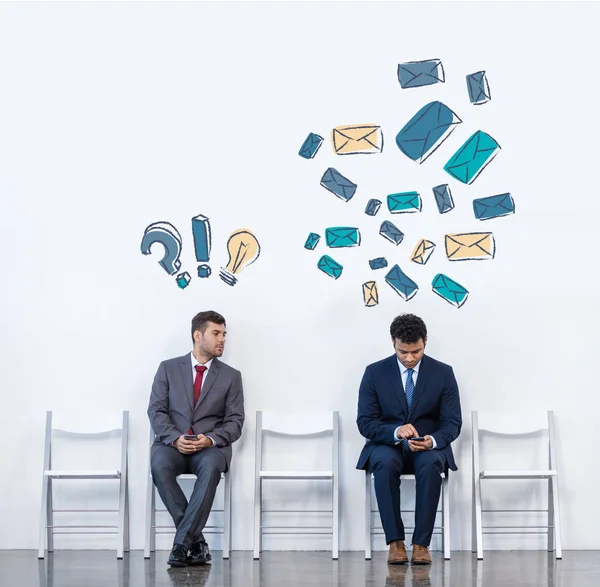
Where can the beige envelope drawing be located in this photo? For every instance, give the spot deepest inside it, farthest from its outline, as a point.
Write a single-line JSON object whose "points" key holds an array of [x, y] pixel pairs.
{"points": [[470, 246], [370, 293], [422, 252], [360, 138]]}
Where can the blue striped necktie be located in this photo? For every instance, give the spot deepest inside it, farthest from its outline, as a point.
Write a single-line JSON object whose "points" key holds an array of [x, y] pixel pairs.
{"points": [[409, 390]]}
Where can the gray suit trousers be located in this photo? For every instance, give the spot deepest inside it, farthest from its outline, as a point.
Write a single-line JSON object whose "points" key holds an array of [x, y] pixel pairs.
{"points": [[207, 464]]}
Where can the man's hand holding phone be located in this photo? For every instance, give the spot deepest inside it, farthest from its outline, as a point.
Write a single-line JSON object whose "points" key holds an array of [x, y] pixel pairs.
{"points": [[420, 443], [188, 444]]}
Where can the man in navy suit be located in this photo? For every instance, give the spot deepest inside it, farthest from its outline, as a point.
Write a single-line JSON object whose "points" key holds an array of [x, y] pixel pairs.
{"points": [[405, 396]]}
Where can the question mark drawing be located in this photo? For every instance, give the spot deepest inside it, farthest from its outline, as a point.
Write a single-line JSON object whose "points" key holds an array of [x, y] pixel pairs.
{"points": [[202, 243], [166, 234]]}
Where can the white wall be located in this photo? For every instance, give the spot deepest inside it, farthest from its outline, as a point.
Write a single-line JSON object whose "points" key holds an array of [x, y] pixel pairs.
{"points": [[115, 116]]}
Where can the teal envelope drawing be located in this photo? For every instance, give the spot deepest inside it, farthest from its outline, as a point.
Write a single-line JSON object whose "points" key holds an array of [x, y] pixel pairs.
{"points": [[453, 292], [473, 157], [342, 236], [329, 266], [406, 202]]}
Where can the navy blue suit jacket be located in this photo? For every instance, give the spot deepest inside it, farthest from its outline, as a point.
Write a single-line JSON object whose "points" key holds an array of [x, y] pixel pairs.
{"points": [[382, 406]]}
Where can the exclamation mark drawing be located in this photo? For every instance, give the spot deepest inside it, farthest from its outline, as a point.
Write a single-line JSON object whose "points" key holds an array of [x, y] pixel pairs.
{"points": [[202, 242]]}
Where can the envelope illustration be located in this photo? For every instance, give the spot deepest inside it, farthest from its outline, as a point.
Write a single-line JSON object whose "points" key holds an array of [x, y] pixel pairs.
{"points": [[469, 246], [443, 198], [479, 89], [337, 184], [426, 131], [448, 289], [310, 146], [493, 207], [353, 140], [342, 236], [312, 241], [327, 265], [471, 159], [370, 293], [401, 283], [378, 263], [372, 207], [422, 252], [390, 232], [415, 74], [407, 202]]}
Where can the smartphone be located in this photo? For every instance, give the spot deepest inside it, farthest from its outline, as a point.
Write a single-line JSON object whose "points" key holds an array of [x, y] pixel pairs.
{"points": [[190, 437], [419, 438]]}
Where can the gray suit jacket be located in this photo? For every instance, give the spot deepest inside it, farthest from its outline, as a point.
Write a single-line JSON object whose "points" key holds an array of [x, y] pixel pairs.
{"points": [[219, 412]]}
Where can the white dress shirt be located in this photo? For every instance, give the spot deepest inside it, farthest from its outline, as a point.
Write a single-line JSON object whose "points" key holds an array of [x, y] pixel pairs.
{"points": [[207, 365], [415, 375]]}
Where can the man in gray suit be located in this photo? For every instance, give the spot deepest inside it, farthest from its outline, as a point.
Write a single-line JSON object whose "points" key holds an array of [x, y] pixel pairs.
{"points": [[197, 412]]}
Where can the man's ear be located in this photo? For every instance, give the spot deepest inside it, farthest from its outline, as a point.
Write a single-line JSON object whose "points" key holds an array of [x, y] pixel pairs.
{"points": [[425, 342]]}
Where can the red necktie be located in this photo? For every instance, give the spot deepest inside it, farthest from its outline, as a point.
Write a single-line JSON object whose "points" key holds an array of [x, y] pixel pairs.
{"points": [[200, 369]]}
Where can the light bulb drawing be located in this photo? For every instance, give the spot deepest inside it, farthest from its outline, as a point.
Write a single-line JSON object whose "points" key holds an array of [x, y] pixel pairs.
{"points": [[243, 249]]}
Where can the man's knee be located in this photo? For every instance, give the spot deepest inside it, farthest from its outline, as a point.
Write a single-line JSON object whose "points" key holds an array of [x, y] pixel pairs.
{"points": [[430, 463], [162, 467], [212, 463], [385, 459]]}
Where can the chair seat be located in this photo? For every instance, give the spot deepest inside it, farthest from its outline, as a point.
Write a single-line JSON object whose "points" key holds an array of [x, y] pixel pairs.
{"points": [[539, 474], [73, 474], [296, 474]]}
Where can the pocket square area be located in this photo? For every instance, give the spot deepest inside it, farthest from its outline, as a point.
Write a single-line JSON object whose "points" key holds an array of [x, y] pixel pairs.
{"points": [[415, 74], [342, 236], [354, 140], [403, 203], [493, 206], [426, 131], [470, 246], [473, 157], [448, 289]]}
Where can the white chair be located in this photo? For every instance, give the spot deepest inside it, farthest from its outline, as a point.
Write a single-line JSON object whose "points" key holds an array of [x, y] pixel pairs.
{"points": [[152, 529], [296, 424], [372, 530], [517, 426], [80, 428]]}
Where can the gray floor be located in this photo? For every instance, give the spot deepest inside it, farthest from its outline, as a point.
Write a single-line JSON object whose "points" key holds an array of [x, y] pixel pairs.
{"points": [[21, 568]]}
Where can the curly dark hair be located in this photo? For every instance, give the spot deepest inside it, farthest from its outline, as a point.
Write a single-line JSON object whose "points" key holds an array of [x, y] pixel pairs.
{"points": [[200, 321], [408, 328]]}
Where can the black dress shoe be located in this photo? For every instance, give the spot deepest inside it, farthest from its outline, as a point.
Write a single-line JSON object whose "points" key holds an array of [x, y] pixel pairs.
{"points": [[178, 556], [198, 554]]}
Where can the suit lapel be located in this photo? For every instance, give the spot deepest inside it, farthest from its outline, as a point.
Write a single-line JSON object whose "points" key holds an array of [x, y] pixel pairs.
{"points": [[396, 381], [185, 368], [424, 371], [211, 377]]}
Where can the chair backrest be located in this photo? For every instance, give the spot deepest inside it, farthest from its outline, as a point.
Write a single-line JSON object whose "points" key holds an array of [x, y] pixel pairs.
{"points": [[515, 425], [299, 425], [91, 426]]}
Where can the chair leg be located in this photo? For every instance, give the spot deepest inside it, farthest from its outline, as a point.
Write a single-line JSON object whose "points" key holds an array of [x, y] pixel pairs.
{"points": [[43, 519], [367, 515], [336, 518], [121, 530], [550, 517], [127, 515], [556, 508], [446, 517], [150, 519], [473, 517], [257, 519], [227, 517], [50, 518], [478, 522]]}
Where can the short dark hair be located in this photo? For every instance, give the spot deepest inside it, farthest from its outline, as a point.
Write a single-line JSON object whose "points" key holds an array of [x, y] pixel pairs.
{"points": [[200, 321], [408, 328]]}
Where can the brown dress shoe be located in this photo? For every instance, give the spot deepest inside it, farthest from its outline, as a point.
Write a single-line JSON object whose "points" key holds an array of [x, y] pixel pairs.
{"points": [[397, 555], [420, 555]]}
